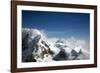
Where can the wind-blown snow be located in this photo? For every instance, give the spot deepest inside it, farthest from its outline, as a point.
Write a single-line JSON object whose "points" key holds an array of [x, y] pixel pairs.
{"points": [[58, 44]]}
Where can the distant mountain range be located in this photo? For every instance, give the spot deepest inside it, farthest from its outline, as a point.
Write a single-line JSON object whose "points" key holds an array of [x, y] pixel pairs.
{"points": [[37, 48]]}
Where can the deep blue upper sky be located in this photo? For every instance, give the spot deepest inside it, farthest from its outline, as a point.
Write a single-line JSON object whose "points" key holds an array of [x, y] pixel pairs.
{"points": [[58, 24]]}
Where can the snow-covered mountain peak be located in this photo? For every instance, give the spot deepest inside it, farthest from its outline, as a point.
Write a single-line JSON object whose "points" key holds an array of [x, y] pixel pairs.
{"points": [[40, 48]]}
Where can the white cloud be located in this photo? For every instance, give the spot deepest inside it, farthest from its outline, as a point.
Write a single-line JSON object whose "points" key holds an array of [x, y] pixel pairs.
{"points": [[72, 42]]}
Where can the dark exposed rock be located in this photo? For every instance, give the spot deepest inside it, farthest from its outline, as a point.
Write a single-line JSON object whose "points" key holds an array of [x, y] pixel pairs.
{"points": [[62, 55]]}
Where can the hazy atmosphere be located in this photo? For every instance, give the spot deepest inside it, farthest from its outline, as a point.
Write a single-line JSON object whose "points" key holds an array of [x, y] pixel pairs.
{"points": [[55, 36]]}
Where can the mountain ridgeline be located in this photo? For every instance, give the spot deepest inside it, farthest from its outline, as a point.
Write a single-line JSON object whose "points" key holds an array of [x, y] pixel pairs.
{"points": [[37, 48]]}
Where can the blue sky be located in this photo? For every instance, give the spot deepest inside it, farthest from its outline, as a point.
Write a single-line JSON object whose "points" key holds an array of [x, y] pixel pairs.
{"points": [[58, 24]]}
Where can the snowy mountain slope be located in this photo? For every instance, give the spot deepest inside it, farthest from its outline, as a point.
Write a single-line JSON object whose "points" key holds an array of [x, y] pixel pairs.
{"points": [[36, 46]]}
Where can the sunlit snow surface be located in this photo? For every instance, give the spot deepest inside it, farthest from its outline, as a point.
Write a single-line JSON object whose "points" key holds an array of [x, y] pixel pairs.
{"points": [[37, 47]]}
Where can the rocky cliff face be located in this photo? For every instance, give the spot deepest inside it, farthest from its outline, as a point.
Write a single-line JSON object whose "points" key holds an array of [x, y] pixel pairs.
{"points": [[34, 47]]}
